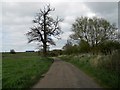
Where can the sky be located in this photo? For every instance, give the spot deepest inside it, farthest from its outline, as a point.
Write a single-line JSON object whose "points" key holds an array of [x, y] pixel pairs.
{"points": [[17, 15]]}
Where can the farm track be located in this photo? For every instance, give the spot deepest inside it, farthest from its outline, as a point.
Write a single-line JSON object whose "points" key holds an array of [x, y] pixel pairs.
{"points": [[65, 75]]}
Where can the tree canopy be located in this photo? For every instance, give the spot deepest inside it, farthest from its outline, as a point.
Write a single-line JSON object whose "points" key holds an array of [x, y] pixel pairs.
{"points": [[93, 30], [93, 35]]}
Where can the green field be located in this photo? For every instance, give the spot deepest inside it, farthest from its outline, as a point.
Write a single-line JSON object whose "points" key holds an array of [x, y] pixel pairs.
{"points": [[0, 70], [96, 67], [22, 70]]}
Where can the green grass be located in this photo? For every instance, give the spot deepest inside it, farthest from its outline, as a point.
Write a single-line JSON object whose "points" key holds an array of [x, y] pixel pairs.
{"points": [[0, 70], [106, 78], [22, 70]]}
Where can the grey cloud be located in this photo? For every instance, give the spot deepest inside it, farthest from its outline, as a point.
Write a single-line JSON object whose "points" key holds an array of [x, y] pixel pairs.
{"points": [[102, 7], [70, 9], [21, 8], [107, 10], [119, 16]]}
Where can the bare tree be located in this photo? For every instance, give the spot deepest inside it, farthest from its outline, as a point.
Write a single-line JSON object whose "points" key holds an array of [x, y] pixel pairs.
{"points": [[45, 27]]}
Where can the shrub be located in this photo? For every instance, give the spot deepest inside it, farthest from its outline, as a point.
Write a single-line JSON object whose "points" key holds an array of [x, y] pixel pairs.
{"points": [[12, 51]]}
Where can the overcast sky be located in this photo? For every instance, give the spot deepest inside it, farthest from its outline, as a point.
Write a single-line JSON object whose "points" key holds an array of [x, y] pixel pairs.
{"points": [[17, 19]]}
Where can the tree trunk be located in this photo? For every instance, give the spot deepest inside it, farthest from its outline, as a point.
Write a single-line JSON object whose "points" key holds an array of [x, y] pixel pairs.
{"points": [[44, 49], [45, 38]]}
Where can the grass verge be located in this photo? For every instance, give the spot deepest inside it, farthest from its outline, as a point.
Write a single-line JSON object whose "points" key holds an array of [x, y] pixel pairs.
{"points": [[22, 70], [87, 63]]}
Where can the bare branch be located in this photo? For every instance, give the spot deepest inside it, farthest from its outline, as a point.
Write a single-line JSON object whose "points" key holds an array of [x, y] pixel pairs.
{"points": [[45, 27]]}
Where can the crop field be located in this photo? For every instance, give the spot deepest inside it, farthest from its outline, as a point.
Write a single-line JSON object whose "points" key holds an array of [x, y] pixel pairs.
{"points": [[22, 70]]}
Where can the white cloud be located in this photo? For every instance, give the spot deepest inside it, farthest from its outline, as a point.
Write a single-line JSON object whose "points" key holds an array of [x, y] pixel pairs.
{"points": [[90, 15]]}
